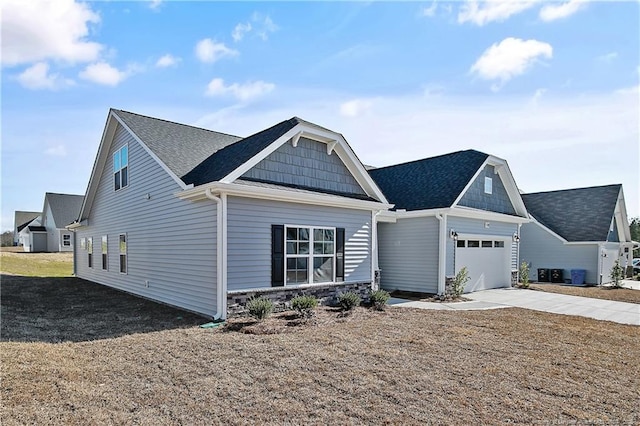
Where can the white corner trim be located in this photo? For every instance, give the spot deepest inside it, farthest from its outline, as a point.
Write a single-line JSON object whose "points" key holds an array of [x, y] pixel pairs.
{"points": [[151, 153], [442, 252]]}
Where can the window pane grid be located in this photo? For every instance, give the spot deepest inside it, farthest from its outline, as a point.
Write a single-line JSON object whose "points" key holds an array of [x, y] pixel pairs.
{"points": [[309, 255]]}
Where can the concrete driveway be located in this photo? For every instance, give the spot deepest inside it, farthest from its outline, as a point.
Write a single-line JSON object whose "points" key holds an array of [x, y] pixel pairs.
{"points": [[620, 312], [608, 310]]}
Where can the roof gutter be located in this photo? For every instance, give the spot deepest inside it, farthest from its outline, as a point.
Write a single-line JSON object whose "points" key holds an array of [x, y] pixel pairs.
{"points": [[221, 285]]}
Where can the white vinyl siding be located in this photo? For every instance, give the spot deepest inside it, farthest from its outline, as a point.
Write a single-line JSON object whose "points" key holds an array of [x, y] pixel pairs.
{"points": [[249, 238], [171, 243]]}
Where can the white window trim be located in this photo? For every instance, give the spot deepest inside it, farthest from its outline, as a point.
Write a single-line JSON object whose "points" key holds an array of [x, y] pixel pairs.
{"points": [[126, 254], [113, 172], [310, 256], [90, 252]]}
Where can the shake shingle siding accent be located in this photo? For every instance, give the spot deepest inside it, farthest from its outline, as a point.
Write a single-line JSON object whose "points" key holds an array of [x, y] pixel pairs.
{"points": [[306, 165], [498, 201], [582, 214], [408, 255], [430, 183], [249, 238], [171, 243]]}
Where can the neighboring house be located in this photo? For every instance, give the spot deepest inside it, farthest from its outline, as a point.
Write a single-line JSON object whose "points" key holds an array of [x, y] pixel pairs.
{"points": [[204, 220], [582, 228], [58, 211], [20, 220], [451, 211], [32, 236]]}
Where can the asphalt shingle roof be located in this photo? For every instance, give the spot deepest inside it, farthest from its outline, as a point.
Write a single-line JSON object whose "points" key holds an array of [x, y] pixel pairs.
{"points": [[22, 218], [179, 146], [229, 158], [581, 214], [65, 208], [430, 183]]}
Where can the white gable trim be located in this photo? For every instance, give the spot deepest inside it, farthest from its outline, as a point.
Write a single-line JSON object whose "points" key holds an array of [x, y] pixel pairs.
{"points": [[466, 212], [335, 142], [535, 221], [101, 159], [502, 170], [620, 214]]}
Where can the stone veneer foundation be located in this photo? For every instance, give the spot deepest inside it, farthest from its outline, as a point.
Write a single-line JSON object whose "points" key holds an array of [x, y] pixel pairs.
{"points": [[281, 296]]}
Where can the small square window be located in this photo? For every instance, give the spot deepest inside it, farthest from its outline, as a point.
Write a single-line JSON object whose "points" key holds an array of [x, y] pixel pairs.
{"points": [[461, 243], [487, 244], [488, 185], [498, 244], [473, 243]]}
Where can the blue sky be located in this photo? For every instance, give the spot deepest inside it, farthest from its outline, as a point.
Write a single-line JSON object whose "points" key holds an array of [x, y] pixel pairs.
{"points": [[552, 87]]}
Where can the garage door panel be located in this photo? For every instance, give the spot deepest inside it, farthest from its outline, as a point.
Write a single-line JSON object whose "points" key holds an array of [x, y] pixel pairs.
{"points": [[487, 262]]}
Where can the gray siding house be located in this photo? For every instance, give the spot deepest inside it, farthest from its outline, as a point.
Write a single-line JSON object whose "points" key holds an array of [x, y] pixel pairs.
{"points": [[204, 220], [20, 220], [58, 211], [452, 211], [581, 228]]}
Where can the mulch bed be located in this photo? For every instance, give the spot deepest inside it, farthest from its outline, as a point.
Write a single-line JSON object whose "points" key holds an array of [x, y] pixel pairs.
{"points": [[151, 364]]}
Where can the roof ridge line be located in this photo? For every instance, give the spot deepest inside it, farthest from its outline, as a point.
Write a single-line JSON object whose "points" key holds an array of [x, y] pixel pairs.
{"points": [[179, 124], [572, 189], [429, 158]]}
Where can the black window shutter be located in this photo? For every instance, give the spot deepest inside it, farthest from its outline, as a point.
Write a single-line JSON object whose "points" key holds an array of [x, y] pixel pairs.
{"points": [[277, 255], [339, 254]]}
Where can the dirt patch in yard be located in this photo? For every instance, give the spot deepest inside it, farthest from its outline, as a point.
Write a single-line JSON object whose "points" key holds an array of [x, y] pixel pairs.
{"points": [[606, 293], [400, 366]]}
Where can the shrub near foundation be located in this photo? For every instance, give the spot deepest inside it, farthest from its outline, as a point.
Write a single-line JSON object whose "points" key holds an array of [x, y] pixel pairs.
{"points": [[379, 299], [349, 300], [259, 308], [304, 305]]}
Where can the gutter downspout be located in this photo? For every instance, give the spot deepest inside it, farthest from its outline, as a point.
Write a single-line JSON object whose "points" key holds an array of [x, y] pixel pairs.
{"points": [[442, 264], [220, 294], [374, 248]]}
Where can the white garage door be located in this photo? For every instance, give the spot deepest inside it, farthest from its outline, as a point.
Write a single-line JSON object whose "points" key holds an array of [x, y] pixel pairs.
{"points": [[487, 260]]}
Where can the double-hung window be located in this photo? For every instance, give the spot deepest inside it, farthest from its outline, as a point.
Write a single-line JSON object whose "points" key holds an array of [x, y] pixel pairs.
{"points": [[310, 255], [66, 240], [123, 253], [121, 167], [90, 252], [105, 248]]}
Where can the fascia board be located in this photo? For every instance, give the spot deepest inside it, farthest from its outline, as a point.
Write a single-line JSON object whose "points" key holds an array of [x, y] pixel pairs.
{"points": [[198, 193]]}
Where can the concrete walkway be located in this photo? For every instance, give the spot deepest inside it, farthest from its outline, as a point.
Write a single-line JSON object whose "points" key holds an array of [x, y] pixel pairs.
{"points": [[620, 312]]}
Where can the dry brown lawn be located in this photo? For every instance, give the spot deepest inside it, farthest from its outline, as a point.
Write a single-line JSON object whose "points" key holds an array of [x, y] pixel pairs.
{"points": [[78, 353], [607, 293]]}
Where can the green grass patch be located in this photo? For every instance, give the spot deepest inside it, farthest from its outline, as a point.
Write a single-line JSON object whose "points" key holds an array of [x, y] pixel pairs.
{"points": [[37, 264]]}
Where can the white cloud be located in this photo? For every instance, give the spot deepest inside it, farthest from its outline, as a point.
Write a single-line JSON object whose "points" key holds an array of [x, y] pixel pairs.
{"points": [[103, 73], [591, 130], [167, 60], [56, 151], [608, 57], [431, 10], [509, 58], [242, 92], [264, 25], [355, 108], [481, 13], [155, 4], [38, 30], [552, 12], [240, 30], [209, 51], [38, 77]]}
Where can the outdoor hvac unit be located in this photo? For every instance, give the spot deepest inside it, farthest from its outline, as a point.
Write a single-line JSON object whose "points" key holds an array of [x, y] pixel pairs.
{"points": [[543, 275], [557, 275]]}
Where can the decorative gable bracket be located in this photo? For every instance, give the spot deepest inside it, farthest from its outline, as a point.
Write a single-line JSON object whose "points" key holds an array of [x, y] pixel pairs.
{"points": [[331, 146]]}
